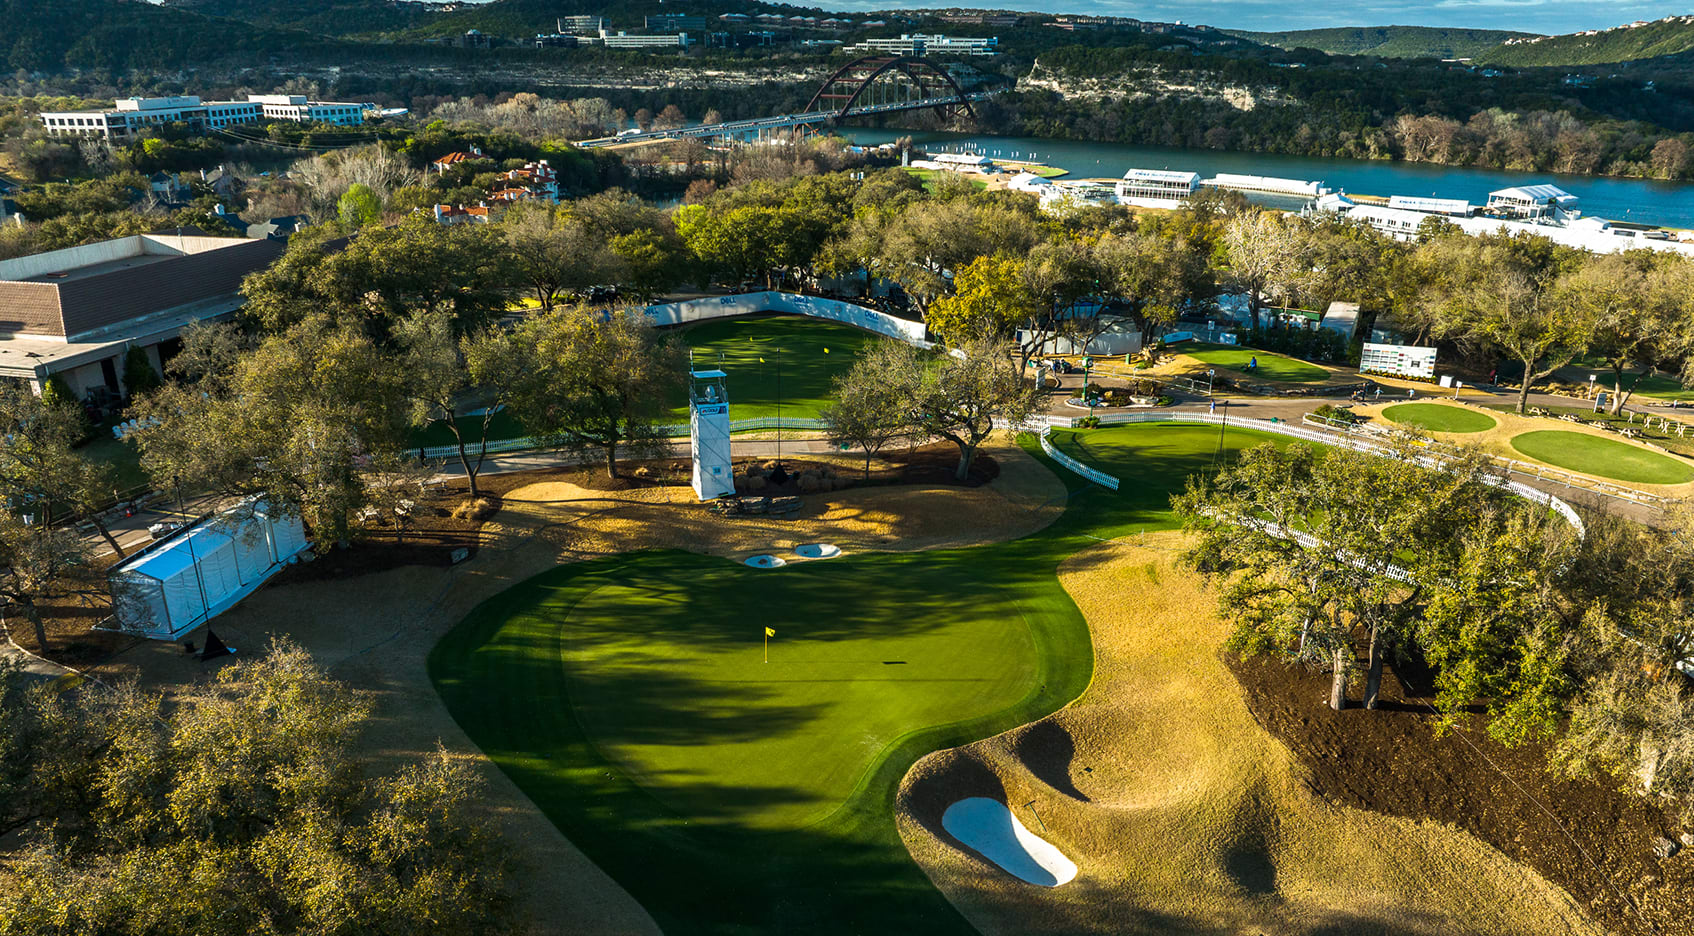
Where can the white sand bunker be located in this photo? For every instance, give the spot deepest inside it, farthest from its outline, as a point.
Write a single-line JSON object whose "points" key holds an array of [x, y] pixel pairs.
{"points": [[766, 562], [989, 827], [817, 551]]}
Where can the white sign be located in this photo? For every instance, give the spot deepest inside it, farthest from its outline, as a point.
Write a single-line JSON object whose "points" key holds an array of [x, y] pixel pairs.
{"points": [[1398, 360]]}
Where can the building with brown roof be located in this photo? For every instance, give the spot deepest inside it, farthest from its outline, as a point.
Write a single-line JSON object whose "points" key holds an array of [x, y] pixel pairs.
{"points": [[76, 312]]}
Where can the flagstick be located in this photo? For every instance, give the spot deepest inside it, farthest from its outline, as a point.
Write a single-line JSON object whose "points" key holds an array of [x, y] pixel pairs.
{"points": [[767, 648]]}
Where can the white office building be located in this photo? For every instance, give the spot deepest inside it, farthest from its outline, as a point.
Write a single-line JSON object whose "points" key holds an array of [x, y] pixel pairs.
{"points": [[623, 40], [295, 107], [132, 117], [1157, 188], [920, 44]]}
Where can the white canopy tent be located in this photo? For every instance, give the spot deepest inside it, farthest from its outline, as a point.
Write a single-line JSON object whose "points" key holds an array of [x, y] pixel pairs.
{"points": [[197, 573]]}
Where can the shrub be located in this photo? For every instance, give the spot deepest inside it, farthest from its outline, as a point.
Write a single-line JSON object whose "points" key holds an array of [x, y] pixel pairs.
{"points": [[1088, 422], [1337, 413], [139, 375]]}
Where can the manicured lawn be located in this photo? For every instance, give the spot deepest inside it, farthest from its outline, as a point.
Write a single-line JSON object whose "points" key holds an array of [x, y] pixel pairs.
{"points": [[746, 349], [503, 426], [1271, 366], [627, 697], [1605, 458], [1661, 388], [928, 177], [1439, 417]]}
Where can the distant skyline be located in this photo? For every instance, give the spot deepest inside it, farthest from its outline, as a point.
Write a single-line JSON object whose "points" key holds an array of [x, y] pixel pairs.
{"points": [[1538, 16]]}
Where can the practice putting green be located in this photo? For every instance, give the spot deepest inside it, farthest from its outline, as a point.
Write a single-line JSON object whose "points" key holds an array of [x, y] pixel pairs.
{"points": [[1601, 457], [813, 353], [626, 696], [1438, 417], [1271, 366]]}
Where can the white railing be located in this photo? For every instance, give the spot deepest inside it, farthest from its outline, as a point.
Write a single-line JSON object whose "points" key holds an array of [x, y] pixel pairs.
{"points": [[1093, 474], [1278, 427]]}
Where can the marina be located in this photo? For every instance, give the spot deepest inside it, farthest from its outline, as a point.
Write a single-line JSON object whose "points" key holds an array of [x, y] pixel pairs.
{"points": [[1619, 200]]}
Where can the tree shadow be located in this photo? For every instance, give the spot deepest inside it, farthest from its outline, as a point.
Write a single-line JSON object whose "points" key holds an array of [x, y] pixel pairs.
{"points": [[1047, 750]]}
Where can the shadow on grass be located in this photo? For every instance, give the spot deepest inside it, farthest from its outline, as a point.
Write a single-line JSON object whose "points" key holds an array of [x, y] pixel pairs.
{"points": [[528, 681]]}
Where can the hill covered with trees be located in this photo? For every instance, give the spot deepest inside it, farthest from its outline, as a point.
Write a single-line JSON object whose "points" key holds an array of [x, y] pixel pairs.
{"points": [[1629, 43], [322, 17], [1388, 41], [121, 35]]}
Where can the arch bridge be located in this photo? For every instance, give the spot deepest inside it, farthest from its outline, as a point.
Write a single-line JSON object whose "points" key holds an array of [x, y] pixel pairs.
{"points": [[875, 84]]}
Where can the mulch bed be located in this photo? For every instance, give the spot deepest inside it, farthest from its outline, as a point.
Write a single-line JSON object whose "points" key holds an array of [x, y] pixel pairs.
{"points": [[1584, 835]]}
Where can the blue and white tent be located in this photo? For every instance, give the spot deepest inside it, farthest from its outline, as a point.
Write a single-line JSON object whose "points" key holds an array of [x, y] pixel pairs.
{"points": [[201, 571]]}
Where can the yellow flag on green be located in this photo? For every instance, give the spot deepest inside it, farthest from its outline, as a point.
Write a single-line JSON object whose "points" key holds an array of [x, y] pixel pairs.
{"points": [[770, 632]]}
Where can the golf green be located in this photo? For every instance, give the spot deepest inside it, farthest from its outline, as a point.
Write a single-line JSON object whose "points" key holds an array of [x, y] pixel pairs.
{"points": [[805, 354], [1601, 457], [628, 697], [1439, 417], [1271, 366]]}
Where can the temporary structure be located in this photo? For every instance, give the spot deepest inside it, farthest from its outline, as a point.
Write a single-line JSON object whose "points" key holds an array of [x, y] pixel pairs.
{"points": [[197, 573]]}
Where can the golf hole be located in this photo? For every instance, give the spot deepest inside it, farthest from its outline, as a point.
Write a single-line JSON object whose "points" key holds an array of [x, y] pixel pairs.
{"points": [[817, 551], [766, 561], [989, 828]]}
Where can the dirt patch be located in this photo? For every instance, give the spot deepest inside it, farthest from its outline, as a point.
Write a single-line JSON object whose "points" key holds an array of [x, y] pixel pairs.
{"points": [[1183, 815], [1584, 835]]}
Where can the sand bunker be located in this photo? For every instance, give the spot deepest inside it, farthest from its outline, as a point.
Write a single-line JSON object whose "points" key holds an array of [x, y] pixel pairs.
{"points": [[817, 551], [990, 828], [766, 562]]}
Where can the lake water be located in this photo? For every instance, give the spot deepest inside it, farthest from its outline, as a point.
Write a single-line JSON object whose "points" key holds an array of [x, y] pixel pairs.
{"points": [[1639, 200]]}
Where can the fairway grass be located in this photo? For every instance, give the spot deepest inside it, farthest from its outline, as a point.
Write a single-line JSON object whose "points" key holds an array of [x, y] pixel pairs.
{"points": [[626, 697], [1439, 417], [1271, 366], [808, 370], [1602, 457]]}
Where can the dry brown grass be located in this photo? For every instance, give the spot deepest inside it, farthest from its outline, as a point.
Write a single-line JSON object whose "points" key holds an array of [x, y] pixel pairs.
{"points": [[1181, 813], [375, 631]]}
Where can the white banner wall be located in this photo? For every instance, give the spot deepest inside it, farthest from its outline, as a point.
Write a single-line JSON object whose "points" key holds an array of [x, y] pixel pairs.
{"points": [[716, 307]]}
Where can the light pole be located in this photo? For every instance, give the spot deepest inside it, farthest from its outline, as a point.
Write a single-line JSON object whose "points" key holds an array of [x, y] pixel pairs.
{"points": [[1087, 366]]}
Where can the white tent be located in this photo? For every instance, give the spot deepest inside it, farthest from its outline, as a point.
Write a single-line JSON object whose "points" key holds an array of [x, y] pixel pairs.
{"points": [[185, 580]]}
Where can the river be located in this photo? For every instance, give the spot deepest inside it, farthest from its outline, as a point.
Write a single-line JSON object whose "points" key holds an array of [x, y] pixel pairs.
{"points": [[1642, 201]]}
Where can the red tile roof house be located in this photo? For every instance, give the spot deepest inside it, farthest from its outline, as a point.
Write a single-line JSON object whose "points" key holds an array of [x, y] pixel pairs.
{"points": [[77, 312], [452, 159], [537, 177], [475, 214]]}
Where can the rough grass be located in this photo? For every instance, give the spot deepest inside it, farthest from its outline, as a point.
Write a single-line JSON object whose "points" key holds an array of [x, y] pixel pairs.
{"points": [[1181, 813], [1272, 366], [746, 349], [1605, 458], [1439, 417]]}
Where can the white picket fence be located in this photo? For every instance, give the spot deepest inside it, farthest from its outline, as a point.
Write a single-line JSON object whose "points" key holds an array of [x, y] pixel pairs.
{"points": [[1278, 427]]}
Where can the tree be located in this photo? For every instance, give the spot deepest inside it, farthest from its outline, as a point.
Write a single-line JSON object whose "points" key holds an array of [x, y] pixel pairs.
{"points": [[297, 421], [1638, 305], [1263, 249], [989, 298], [1153, 274], [591, 380], [41, 565], [359, 207], [1318, 549], [555, 253], [1498, 293], [385, 274], [956, 396], [240, 805], [866, 415], [1632, 718], [450, 380], [139, 375]]}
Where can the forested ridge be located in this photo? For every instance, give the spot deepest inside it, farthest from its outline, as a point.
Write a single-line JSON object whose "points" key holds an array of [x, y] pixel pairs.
{"points": [[1387, 41]]}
